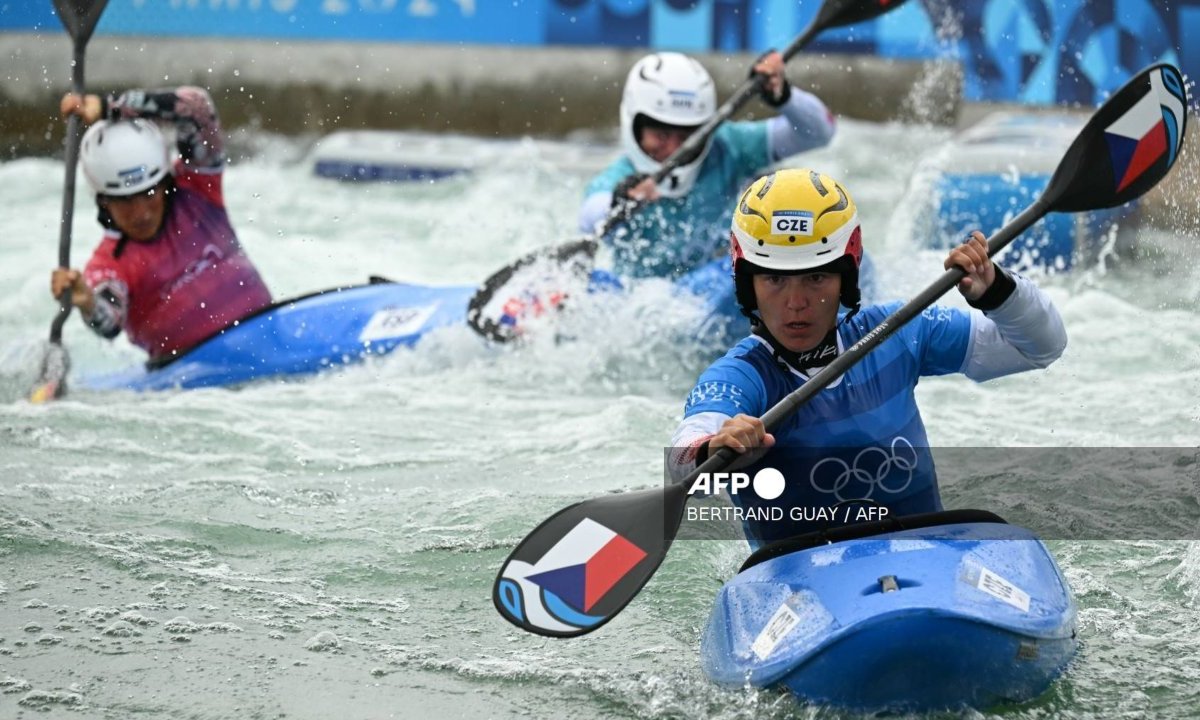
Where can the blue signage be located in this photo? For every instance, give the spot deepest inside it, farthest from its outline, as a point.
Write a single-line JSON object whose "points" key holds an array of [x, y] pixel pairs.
{"points": [[1033, 51]]}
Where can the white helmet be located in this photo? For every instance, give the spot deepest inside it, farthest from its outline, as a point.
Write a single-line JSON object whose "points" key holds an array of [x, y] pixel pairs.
{"points": [[673, 89], [124, 157]]}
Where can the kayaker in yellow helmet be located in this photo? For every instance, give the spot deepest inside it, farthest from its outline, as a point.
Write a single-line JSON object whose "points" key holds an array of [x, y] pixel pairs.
{"points": [[796, 245]]}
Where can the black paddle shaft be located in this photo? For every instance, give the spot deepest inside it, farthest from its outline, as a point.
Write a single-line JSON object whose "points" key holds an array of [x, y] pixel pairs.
{"points": [[68, 205], [79, 17], [833, 13]]}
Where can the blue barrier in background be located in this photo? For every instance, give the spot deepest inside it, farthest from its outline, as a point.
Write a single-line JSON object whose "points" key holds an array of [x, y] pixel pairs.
{"points": [[1032, 51]]}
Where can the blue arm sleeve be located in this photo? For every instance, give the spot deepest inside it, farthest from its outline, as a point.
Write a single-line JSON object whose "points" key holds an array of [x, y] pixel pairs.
{"points": [[726, 389]]}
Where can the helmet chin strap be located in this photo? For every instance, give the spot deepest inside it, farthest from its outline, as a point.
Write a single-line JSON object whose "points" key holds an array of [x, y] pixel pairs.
{"points": [[818, 356], [845, 318]]}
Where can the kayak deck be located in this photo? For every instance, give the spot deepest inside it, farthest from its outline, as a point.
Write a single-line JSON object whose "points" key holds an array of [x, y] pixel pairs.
{"points": [[959, 615]]}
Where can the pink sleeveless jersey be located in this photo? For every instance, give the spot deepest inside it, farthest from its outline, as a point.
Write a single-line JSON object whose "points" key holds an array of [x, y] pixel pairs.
{"points": [[192, 280]]}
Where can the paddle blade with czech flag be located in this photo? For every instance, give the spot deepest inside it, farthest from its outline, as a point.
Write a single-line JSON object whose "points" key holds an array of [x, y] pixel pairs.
{"points": [[580, 567], [1128, 145]]}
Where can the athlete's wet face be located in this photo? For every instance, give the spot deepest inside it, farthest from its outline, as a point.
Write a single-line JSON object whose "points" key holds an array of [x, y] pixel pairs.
{"points": [[798, 310], [138, 216], [661, 141]]}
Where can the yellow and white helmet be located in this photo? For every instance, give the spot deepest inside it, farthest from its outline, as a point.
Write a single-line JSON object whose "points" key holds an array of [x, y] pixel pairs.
{"points": [[792, 222]]}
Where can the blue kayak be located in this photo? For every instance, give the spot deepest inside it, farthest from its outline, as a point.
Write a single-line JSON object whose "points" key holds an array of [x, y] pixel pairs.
{"points": [[303, 336], [959, 610], [316, 332]]}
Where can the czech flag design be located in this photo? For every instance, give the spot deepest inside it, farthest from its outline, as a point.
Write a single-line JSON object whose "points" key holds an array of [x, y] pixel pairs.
{"points": [[586, 564], [559, 591], [1149, 131]]}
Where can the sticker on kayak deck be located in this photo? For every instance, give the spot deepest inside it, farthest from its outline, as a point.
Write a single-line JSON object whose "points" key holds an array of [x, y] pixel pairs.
{"points": [[792, 222], [780, 624], [396, 322], [998, 587]]}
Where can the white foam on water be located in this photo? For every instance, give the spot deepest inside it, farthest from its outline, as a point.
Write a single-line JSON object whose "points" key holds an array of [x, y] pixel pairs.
{"points": [[376, 503]]}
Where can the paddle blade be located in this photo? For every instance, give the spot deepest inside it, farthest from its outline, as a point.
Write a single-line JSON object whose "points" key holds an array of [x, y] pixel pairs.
{"points": [[1130, 144], [528, 289], [52, 380], [835, 13], [79, 17], [580, 567]]}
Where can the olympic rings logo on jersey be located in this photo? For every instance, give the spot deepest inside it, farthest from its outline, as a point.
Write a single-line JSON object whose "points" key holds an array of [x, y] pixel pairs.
{"points": [[872, 468]]}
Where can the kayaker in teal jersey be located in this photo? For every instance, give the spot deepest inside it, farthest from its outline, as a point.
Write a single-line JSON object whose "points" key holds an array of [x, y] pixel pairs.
{"points": [[796, 245], [682, 224]]}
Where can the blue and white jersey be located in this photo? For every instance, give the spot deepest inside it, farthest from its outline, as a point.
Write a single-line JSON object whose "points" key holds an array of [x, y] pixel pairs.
{"points": [[672, 236], [863, 436]]}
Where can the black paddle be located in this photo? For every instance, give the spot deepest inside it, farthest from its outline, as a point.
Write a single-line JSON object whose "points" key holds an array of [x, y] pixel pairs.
{"points": [[833, 13], [581, 566], [79, 17]]}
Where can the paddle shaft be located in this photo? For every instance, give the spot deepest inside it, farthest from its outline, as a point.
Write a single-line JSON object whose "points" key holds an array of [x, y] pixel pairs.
{"points": [[692, 146], [773, 418], [68, 204]]}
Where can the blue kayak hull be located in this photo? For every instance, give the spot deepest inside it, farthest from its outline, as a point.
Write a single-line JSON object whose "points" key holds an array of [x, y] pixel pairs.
{"points": [[985, 201], [990, 172], [980, 616], [305, 336]]}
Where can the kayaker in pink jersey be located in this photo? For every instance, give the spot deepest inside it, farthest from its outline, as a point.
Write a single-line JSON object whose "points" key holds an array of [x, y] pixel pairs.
{"points": [[169, 270]]}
